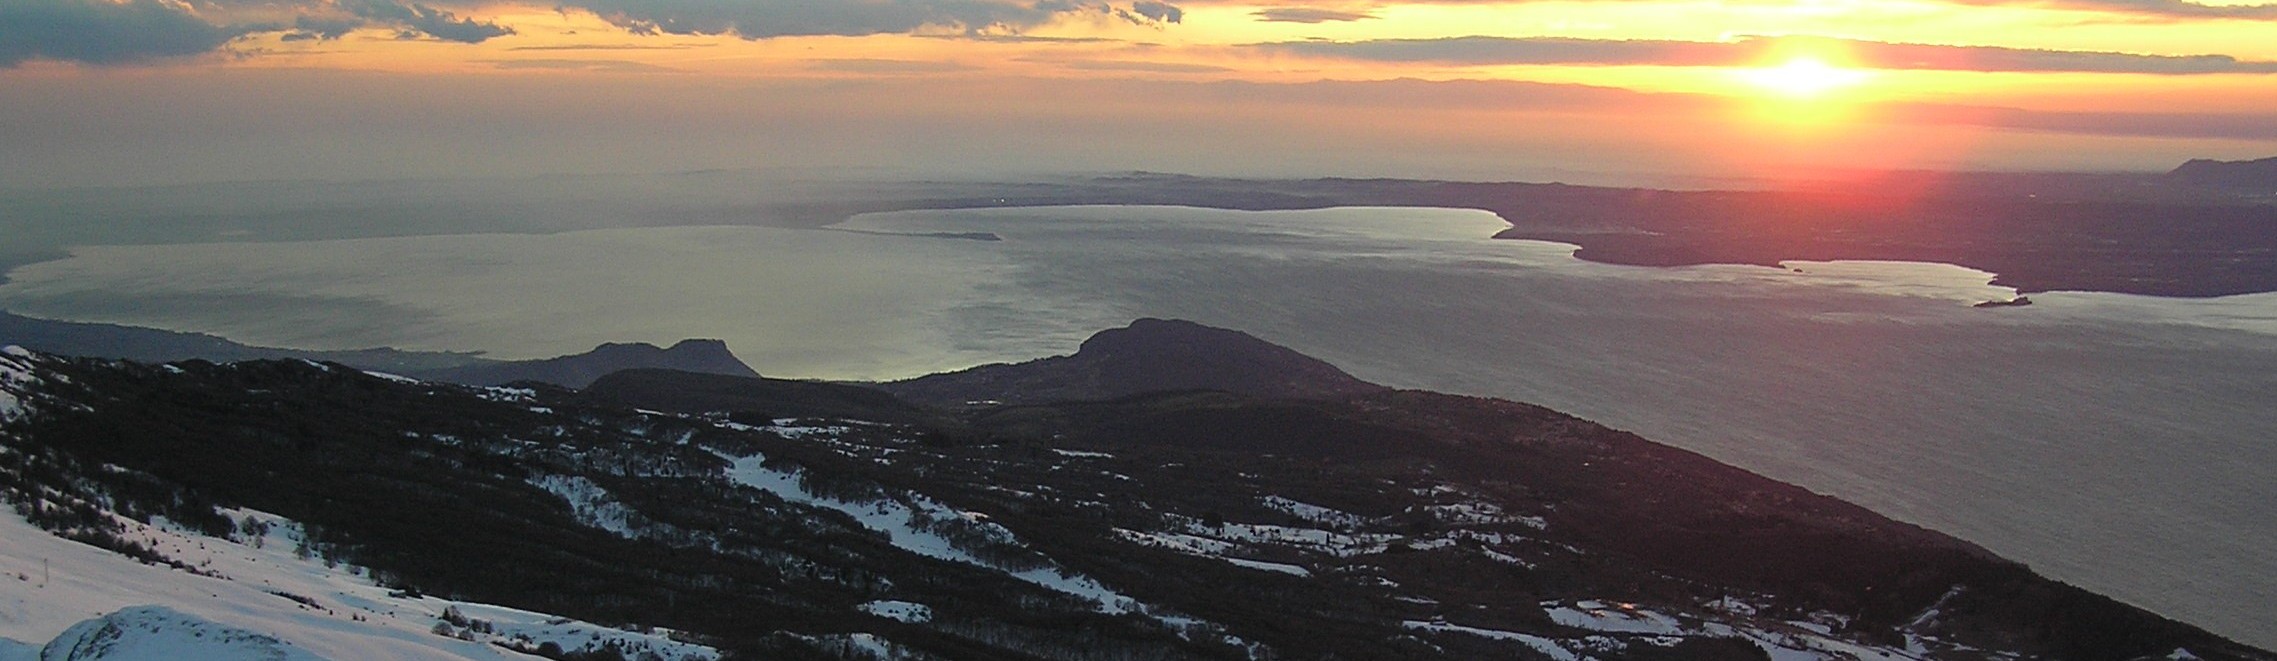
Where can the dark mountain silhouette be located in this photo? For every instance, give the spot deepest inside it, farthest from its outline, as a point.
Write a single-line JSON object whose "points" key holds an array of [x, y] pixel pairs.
{"points": [[93, 340], [746, 396], [2258, 175], [1150, 355], [578, 371]]}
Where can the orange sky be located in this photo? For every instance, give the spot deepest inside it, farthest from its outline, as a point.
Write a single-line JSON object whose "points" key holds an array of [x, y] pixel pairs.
{"points": [[174, 90]]}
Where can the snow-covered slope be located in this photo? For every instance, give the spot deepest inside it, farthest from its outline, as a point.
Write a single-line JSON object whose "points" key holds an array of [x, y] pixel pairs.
{"points": [[258, 599], [158, 633]]}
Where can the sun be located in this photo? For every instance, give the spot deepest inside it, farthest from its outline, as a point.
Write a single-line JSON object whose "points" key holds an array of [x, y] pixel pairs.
{"points": [[1803, 77]]}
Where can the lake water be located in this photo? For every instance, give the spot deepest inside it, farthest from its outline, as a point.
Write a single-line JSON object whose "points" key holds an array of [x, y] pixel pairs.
{"points": [[2126, 444]]}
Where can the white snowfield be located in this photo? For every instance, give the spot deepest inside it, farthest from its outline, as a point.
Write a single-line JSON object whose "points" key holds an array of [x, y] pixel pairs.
{"points": [[158, 633], [49, 585]]}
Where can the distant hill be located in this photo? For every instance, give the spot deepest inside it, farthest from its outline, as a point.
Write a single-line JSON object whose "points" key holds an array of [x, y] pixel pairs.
{"points": [[72, 338], [93, 340], [2255, 175], [580, 370], [1150, 355]]}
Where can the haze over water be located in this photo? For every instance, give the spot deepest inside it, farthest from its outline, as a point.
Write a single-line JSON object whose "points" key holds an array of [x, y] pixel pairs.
{"points": [[2121, 443]]}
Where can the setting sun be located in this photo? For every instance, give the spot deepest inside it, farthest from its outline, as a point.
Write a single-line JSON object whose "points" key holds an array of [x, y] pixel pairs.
{"points": [[1803, 77]]}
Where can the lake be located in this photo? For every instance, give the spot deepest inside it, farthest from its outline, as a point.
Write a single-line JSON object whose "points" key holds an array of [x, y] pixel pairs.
{"points": [[2125, 444]]}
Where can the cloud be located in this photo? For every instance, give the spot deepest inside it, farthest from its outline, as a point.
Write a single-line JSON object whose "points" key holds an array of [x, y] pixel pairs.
{"points": [[108, 32], [2217, 126], [423, 19], [2159, 8], [326, 28], [611, 66], [1128, 65], [1159, 12], [1309, 15], [762, 19], [555, 47], [104, 32], [1487, 51], [886, 66]]}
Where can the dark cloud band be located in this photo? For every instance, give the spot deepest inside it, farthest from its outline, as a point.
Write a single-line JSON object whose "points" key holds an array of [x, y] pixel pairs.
{"points": [[102, 32]]}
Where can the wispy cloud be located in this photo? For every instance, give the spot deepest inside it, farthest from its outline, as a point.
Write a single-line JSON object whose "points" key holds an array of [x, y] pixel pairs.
{"points": [[1309, 15], [610, 66], [762, 19], [887, 66], [1144, 66], [576, 47], [2156, 8], [1486, 51]]}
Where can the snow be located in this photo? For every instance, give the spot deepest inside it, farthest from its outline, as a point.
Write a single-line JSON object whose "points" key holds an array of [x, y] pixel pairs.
{"points": [[896, 518], [49, 585], [509, 395], [1188, 544], [1081, 453], [17, 375], [871, 644], [2180, 654], [1315, 513], [513, 626], [157, 633], [1599, 616], [1336, 544], [1506, 558], [1546, 646], [591, 503], [911, 612], [1292, 570], [398, 378]]}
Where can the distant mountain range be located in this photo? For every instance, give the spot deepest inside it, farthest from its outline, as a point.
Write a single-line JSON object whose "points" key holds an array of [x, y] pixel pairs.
{"points": [[1170, 491], [69, 338]]}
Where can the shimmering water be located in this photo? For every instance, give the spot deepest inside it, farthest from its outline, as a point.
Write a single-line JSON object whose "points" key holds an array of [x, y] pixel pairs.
{"points": [[2126, 444]]}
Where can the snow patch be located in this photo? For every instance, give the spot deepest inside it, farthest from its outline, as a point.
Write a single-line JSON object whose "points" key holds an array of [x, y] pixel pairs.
{"points": [[1315, 513], [592, 504], [905, 611], [17, 375], [1276, 567], [899, 521], [1545, 646], [397, 378], [1609, 618]]}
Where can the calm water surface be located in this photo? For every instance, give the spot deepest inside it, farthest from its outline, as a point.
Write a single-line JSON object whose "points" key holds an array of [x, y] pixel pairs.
{"points": [[2125, 444]]}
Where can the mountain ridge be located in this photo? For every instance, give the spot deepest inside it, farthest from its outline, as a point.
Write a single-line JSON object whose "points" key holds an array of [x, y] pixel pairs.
{"points": [[1190, 523], [1149, 355]]}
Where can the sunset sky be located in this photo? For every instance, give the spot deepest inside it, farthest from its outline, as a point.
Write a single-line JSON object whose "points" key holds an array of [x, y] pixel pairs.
{"points": [[102, 92]]}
